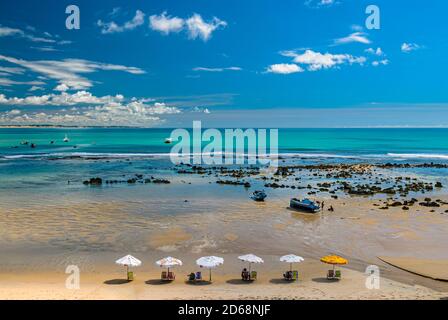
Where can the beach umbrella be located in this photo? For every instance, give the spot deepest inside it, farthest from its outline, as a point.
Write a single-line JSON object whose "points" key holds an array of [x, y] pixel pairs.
{"points": [[334, 260], [169, 262], [251, 258], [291, 258], [210, 262], [128, 261]]}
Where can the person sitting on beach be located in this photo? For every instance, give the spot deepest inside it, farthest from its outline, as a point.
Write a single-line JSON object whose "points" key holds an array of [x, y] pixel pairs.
{"points": [[244, 274], [331, 209], [287, 275]]}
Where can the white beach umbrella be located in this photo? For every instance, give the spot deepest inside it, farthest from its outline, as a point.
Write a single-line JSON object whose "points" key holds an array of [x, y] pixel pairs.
{"points": [[128, 261], [210, 262], [169, 262], [251, 258], [291, 258]]}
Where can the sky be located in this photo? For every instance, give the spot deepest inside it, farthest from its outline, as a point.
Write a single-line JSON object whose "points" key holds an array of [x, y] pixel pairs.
{"points": [[228, 63]]}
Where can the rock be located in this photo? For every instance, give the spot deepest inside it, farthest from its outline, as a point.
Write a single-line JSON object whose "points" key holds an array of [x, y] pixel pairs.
{"points": [[405, 208], [438, 184], [93, 182]]}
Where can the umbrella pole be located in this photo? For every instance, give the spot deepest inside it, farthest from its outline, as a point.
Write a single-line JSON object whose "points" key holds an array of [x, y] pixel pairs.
{"points": [[210, 274], [290, 267]]}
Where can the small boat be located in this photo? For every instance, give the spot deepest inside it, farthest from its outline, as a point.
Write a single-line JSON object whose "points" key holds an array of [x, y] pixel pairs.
{"points": [[258, 195], [168, 140], [66, 139], [24, 143], [305, 205]]}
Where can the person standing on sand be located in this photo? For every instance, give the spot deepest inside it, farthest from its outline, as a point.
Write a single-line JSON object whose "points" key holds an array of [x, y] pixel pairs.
{"points": [[323, 205]]}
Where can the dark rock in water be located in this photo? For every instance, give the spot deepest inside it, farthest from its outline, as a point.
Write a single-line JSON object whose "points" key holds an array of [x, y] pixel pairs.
{"points": [[438, 185], [396, 204], [163, 181], [430, 204], [405, 208], [132, 181], [93, 182], [427, 199], [234, 183], [384, 208]]}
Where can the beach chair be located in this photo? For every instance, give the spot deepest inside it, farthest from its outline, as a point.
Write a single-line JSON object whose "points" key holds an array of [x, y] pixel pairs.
{"points": [[164, 276], [198, 276], [295, 275], [171, 276], [337, 274], [330, 275], [253, 275], [130, 275], [192, 277]]}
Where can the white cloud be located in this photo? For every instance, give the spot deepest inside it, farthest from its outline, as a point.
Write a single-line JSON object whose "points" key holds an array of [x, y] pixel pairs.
{"points": [[12, 70], [6, 32], [359, 37], [113, 27], [284, 68], [9, 82], [408, 47], [62, 87], [166, 24], [319, 3], [377, 52], [68, 71], [206, 69], [11, 32], [383, 62], [317, 61], [35, 88], [87, 110], [198, 28], [201, 110]]}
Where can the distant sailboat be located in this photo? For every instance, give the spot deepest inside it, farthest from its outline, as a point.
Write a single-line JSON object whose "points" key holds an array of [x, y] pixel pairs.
{"points": [[66, 139], [168, 140]]}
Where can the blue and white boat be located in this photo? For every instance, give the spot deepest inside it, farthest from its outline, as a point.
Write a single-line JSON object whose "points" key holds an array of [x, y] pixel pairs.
{"points": [[258, 195], [305, 205]]}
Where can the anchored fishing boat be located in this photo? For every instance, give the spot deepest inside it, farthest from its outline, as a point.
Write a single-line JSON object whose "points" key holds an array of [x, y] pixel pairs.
{"points": [[258, 195], [66, 139], [305, 205]]}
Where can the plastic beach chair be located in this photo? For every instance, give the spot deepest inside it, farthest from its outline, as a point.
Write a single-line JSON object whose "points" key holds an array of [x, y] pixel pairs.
{"points": [[338, 274], [130, 275], [171, 276], [198, 276], [330, 275], [253, 275], [295, 275]]}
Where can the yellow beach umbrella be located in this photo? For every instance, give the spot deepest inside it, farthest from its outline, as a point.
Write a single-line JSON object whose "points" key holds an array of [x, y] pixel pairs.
{"points": [[334, 260]]}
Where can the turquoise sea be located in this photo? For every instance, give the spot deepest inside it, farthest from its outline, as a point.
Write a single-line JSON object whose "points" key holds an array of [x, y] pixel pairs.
{"points": [[118, 153], [400, 143]]}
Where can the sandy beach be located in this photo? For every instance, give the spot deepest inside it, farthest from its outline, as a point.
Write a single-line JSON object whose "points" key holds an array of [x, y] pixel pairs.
{"points": [[355, 230], [226, 284]]}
